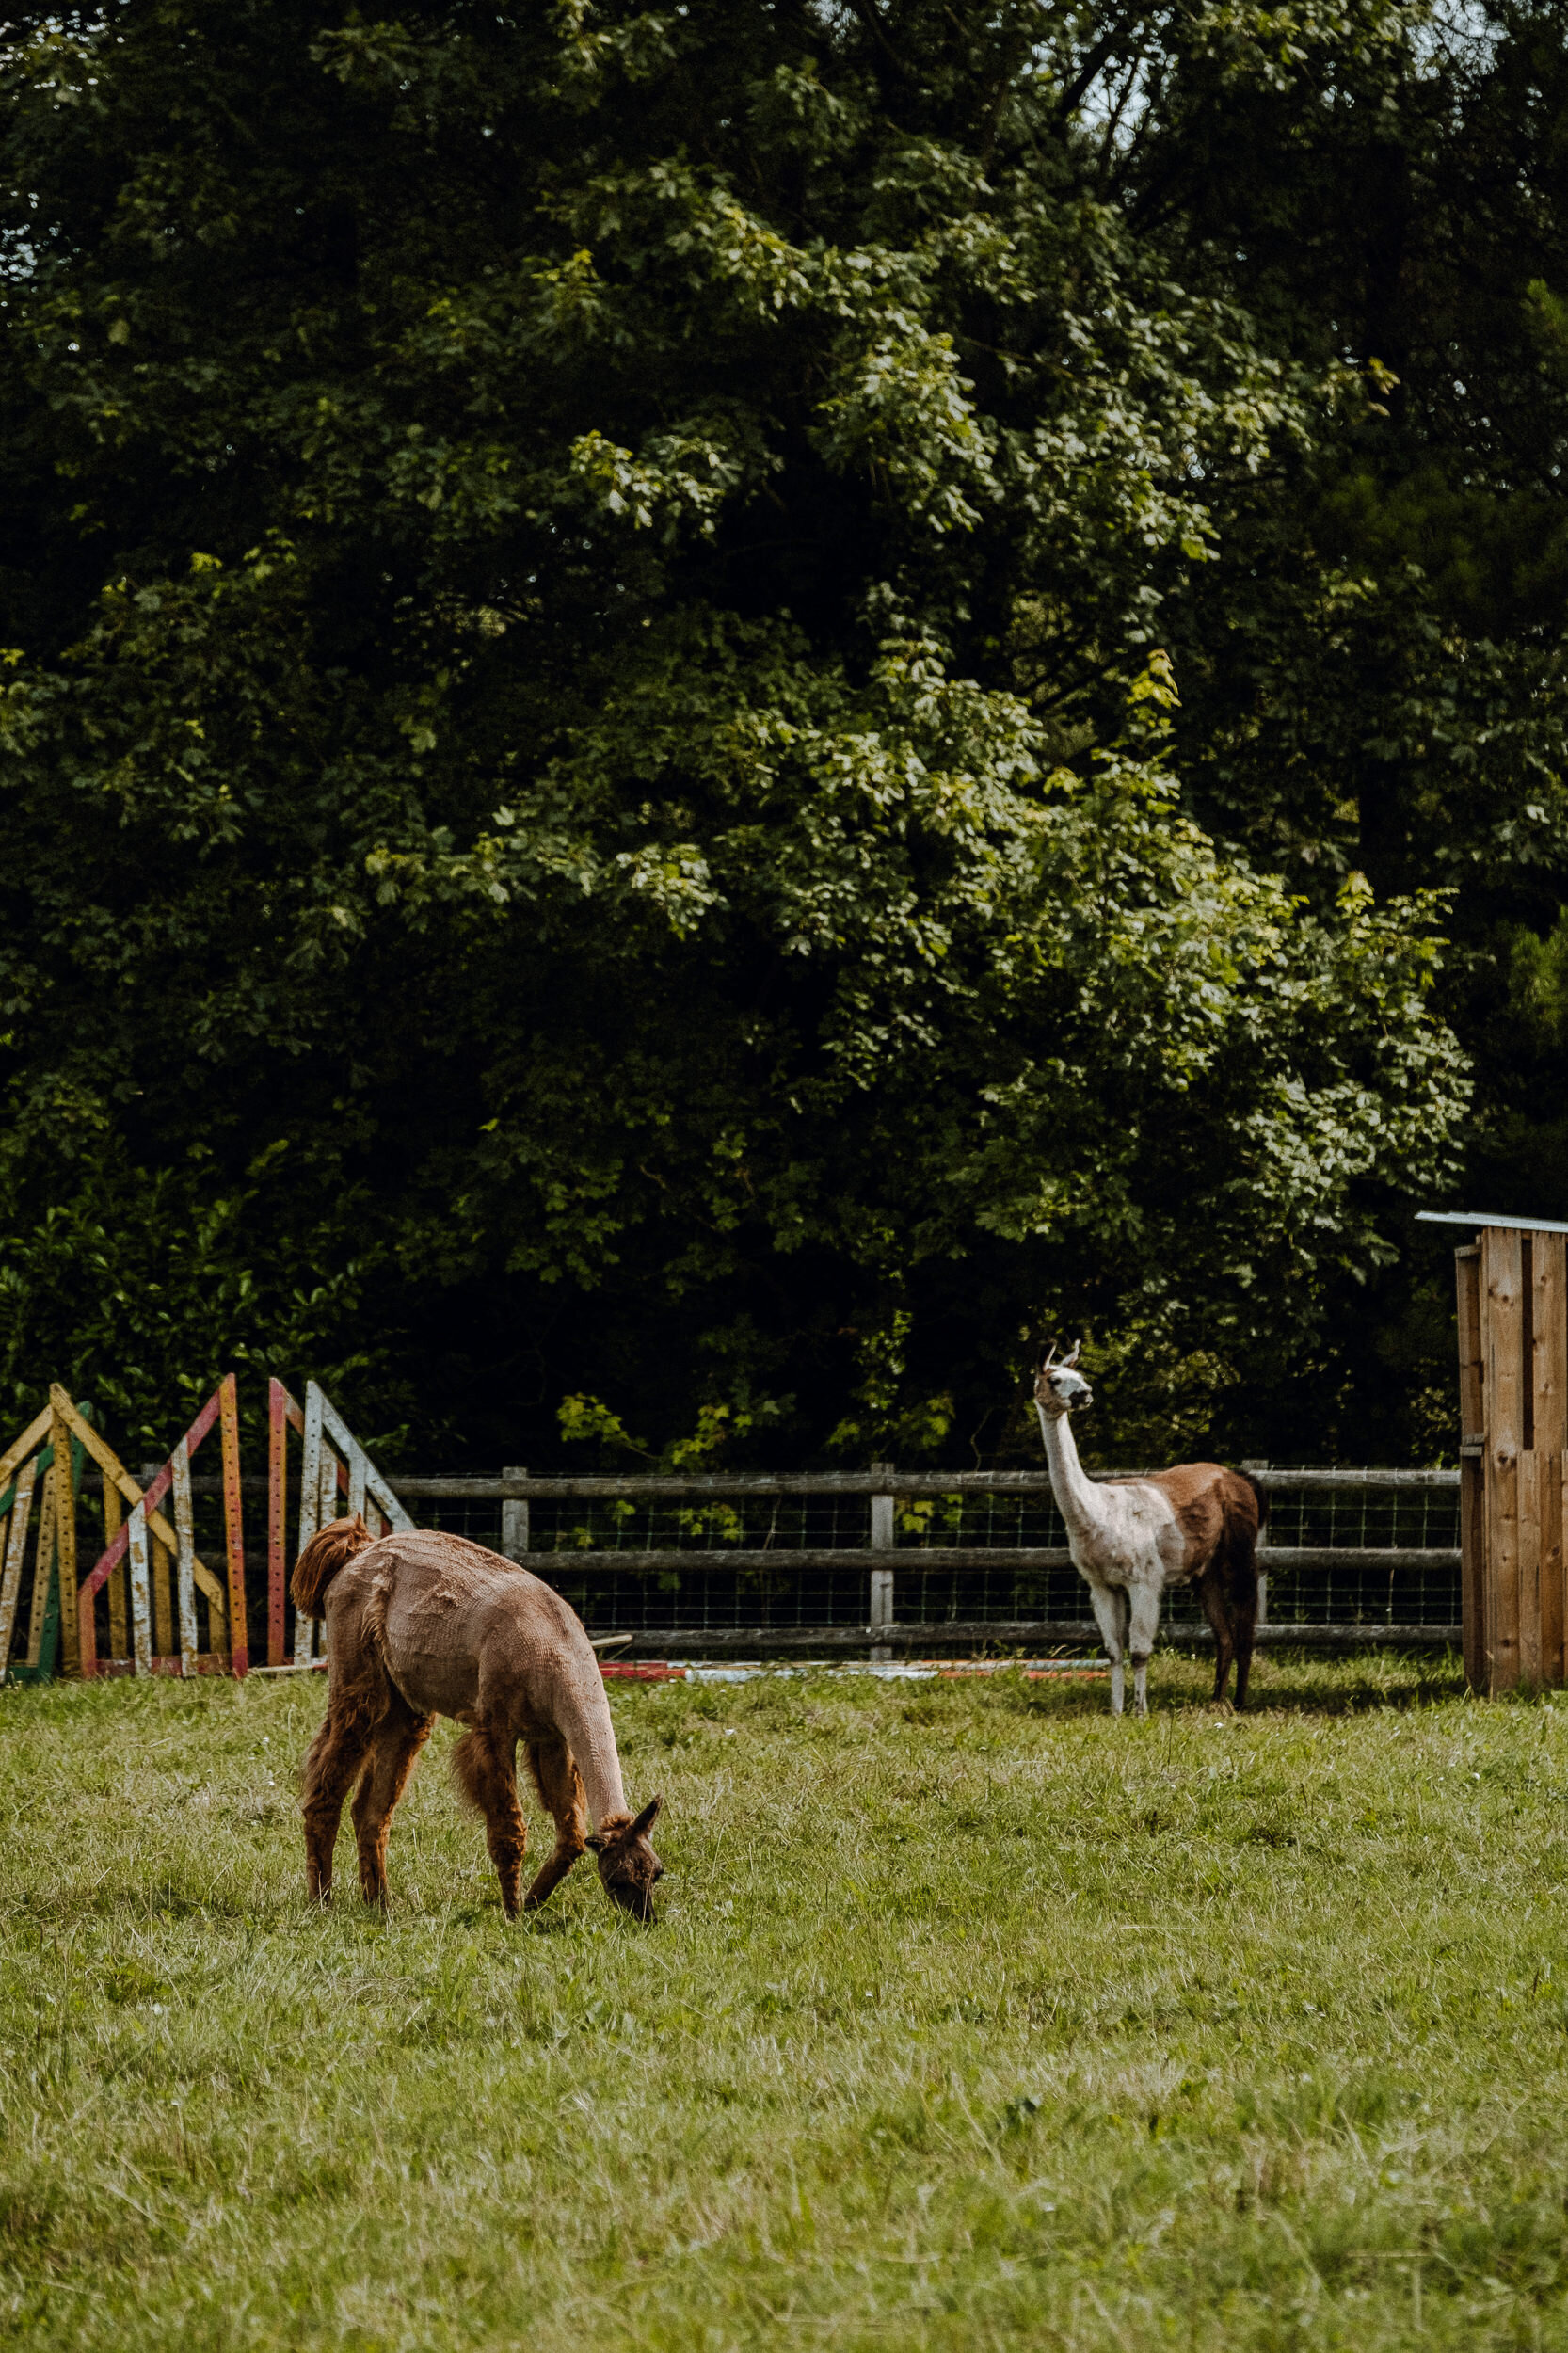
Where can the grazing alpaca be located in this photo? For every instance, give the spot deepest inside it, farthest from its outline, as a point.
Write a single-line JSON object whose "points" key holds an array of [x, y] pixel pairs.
{"points": [[1132, 1537], [428, 1625]]}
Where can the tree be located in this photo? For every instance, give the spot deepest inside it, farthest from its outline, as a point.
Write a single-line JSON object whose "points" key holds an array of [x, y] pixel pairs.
{"points": [[600, 799]]}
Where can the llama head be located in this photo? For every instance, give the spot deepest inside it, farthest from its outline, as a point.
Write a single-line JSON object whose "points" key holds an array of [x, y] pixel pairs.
{"points": [[627, 1864], [1057, 1387]]}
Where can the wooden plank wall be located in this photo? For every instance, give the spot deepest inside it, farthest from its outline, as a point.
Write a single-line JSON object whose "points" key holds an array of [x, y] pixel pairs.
{"points": [[1472, 1479], [1503, 1342], [1514, 1399], [1548, 1438]]}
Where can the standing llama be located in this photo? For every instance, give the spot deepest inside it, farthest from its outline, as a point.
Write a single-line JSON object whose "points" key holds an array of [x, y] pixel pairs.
{"points": [[1130, 1538], [429, 1624]]}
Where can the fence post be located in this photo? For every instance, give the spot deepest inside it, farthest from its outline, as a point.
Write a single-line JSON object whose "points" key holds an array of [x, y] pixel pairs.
{"points": [[46, 1589], [1262, 1618], [514, 1519], [65, 1546], [141, 1630], [882, 1579], [163, 1591], [277, 1516], [310, 1510], [234, 1527]]}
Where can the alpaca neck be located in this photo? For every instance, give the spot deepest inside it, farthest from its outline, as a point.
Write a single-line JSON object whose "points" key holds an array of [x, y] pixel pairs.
{"points": [[583, 1718], [1078, 1498]]}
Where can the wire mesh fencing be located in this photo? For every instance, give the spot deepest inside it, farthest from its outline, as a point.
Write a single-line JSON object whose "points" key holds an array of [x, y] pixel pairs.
{"points": [[900, 1557], [731, 1555]]}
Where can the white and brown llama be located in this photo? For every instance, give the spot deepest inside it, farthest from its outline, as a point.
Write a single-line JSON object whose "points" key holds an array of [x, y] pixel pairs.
{"points": [[1130, 1538]]}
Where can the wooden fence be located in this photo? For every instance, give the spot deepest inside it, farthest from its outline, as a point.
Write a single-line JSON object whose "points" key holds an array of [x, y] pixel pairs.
{"points": [[1512, 1283], [698, 1564], [892, 1555]]}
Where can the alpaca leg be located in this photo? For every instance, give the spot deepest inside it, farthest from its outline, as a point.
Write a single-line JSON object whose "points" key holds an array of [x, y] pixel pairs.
{"points": [[1106, 1602], [556, 1779], [396, 1746], [487, 1767], [1243, 1592], [1211, 1592], [336, 1755], [1142, 1626]]}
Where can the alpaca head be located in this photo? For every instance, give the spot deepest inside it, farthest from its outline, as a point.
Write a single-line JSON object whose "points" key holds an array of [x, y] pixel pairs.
{"points": [[628, 1865], [1057, 1387]]}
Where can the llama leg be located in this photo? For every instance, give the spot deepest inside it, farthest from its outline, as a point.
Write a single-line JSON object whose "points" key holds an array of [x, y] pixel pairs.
{"points": [[396, 1746], [555, 1777], [1243, 1601], [1106, 1602], [336, 1755], [485, 1767], [1211, 1592], [1142, 1626]]}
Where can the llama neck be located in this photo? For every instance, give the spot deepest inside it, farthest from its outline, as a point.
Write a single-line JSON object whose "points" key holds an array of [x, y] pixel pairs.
{"points": [[1078, 1498], [584, 1717]]}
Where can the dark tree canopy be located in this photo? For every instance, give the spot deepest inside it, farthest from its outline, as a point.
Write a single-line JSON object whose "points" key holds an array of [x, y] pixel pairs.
{"points": [[726, 706]]}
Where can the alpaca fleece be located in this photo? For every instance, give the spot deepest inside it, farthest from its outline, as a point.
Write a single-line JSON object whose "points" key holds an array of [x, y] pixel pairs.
{"points": [[428, 1625]]}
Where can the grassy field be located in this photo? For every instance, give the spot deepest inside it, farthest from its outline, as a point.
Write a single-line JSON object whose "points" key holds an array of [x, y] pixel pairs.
{"points": [[971, 2019]]}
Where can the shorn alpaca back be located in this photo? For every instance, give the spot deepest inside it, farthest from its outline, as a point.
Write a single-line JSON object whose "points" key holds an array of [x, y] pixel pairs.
{"points": [[425, 1624], [461, 1630]]}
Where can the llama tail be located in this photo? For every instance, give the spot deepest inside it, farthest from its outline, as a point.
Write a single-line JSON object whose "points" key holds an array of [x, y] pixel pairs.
{"points": [[1260, 1496], [331, 1549]]}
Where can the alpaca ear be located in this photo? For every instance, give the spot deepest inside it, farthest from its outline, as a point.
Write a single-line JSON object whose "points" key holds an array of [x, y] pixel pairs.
{"points": [[647, 1818]]}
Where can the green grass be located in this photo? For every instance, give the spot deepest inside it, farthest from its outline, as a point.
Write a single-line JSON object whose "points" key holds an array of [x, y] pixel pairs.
{"points": [[971, 2019]]}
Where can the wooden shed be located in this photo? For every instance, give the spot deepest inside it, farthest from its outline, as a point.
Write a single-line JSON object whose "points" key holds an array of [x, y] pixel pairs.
{"points": [[1513, 1283]]}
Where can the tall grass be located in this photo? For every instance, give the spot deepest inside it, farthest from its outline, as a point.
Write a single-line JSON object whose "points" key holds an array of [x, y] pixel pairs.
{"points": [[971, 2019]]}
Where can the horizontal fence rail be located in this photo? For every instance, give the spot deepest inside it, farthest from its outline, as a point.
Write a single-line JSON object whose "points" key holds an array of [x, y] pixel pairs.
{"points": [[1039, 1635], [609, 1486], [1273, 1560]]}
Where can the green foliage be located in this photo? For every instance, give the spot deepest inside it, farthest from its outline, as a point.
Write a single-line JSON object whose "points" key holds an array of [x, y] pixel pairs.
{"points": [[590, 1417], [1539, 978], [692, 699]]}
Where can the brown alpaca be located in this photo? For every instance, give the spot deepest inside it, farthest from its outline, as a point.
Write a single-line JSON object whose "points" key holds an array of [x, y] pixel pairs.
{"points": [[428, 1625]]}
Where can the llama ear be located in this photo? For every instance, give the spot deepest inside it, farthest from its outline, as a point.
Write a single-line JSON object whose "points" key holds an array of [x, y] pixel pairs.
{"points": [[1072, 1359], [647, 1818], [1049, 1358]]}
